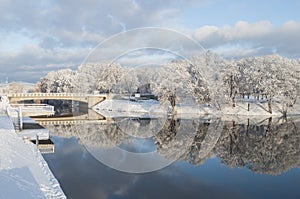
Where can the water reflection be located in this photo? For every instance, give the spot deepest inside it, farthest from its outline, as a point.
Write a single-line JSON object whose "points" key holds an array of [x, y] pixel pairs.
{"points": [[81, 176], [244, 153], [269, 146]]}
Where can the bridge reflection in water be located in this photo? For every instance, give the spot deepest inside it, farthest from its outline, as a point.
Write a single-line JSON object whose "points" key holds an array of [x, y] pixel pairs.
{"points": [[73, 118], [47, 146]]}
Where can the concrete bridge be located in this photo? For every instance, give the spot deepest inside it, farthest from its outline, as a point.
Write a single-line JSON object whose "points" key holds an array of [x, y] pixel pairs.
{"points": [[90, 99]]}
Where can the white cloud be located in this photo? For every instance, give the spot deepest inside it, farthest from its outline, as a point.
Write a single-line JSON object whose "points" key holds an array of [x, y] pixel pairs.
{"points": [[245, 30], [38, 35], [205, 32], [241, 31], [32, 62], [252, 38], [35, 35]]}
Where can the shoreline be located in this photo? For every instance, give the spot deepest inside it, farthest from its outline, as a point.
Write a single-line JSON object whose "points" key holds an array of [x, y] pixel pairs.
{"points": [[24, 173]]}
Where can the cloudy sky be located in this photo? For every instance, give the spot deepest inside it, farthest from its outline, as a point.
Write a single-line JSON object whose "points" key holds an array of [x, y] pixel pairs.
{"points": [[41, 36]]}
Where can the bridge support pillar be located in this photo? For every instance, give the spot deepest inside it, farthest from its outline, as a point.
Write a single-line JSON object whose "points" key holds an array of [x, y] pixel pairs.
{"points": [[92, 115], [94, 100]]}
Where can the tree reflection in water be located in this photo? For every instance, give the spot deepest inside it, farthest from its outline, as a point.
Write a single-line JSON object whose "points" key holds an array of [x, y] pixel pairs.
{"points": [[270, 146]]}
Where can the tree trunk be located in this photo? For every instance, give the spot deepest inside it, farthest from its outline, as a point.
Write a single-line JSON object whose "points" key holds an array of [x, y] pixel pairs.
{"points": [[233, 101], [248, 125], [172, 100], [231, 86], [284, 110], [270, 106], [284, 113], [269, 125], [294, 102], [173, 125]]}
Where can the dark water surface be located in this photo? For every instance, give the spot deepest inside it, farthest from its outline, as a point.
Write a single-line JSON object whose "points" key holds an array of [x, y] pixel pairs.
{"points": [[255, 158]]}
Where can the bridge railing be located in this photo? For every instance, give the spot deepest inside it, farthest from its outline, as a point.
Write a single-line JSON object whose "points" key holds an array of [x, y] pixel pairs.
{"points": [[28, 105], [46, 95], [33, 107], [53, 95], [12, 112]]}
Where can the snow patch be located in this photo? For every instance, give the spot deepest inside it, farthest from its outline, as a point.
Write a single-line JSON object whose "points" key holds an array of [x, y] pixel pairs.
{"points": [[23, 171]]}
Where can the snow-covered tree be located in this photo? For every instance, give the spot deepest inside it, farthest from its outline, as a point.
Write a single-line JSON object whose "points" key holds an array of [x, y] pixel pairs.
{"points": [[231, 76], [129, 82], [271, 77], [247, 81], [61, 81], [289, 83], [172, 83], [101, 77], [145, 74], [205, 73], [196, 79], [206, 78]]}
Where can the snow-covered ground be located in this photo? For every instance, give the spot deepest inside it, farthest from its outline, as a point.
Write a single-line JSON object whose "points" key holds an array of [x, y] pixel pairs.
{"points": [[152, 108], [126, 108], [23, 171], [146, 108], [257, 108]]}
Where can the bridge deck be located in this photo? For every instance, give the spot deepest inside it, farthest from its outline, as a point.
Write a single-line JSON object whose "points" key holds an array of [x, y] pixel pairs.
{"points": [[90, 99]]}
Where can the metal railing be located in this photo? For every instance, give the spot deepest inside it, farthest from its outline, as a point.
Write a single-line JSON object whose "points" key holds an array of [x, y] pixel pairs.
{"points": [[33, 107], [16, 112]]}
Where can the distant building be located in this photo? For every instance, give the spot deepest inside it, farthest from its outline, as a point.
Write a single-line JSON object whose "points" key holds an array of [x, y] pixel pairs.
{"points": [[144, 92]]}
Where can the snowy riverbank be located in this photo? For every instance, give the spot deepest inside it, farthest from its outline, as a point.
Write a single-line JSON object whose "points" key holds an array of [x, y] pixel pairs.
{"points": [[23, 171], [152, 108]]}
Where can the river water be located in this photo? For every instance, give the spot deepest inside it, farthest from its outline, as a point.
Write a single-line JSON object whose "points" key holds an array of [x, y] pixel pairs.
{"points": [[200, 158]]}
